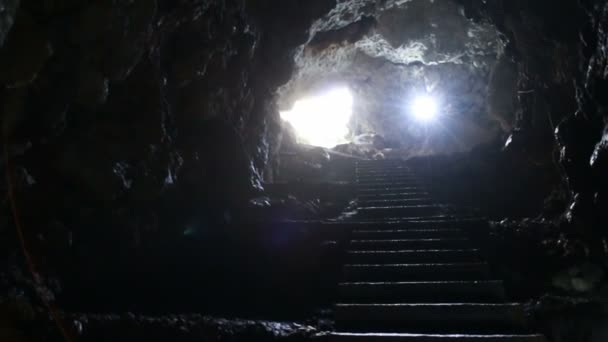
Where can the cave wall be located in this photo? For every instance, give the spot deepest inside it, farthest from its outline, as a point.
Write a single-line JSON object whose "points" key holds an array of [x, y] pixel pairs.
{"points": [[128, 122], [390, 52], [525, 79], [560, 116], [582, 136]]}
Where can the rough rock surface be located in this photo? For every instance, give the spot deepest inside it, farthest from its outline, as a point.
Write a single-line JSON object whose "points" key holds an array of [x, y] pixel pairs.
{"points": [[152, 111], [126, 123], [556, 54], [529, 75], [187, 328], [387, 53]]}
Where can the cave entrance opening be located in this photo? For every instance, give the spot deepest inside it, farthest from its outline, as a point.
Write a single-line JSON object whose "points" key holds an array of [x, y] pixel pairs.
{"points": [[323, 119]]}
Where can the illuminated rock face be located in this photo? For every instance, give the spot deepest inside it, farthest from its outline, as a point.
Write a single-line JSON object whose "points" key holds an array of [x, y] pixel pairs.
{"points": [[145, 98], [136, 99], [390, 52], [509, 72]]}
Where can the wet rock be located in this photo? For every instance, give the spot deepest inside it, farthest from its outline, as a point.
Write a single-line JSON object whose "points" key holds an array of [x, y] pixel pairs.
{"points": [[516, 142], [599, 163], [580, 209], [189, 327], [349, 33]]}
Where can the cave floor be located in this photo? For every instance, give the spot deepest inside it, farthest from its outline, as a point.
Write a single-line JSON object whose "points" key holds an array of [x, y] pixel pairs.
{"points": [[415, 270]]}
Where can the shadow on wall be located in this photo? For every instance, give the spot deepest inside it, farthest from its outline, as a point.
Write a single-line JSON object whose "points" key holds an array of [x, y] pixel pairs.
{"points": [[497, 183]]}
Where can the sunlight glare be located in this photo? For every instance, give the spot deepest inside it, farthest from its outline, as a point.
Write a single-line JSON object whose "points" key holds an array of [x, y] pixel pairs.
{"points": [[424, 108], [322, 120]]}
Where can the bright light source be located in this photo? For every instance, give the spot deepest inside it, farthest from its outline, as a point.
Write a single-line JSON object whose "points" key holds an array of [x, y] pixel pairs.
{"points": [[322, 120], [424, 108]]}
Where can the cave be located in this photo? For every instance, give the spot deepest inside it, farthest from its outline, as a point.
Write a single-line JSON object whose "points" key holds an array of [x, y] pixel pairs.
{"points": [[299, 170]]}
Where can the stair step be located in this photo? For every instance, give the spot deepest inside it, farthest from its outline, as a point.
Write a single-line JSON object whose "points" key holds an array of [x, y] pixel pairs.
{"points": [[373, 185], [386, 176], [380, 161], [401, 195], [452, 222], [406, 223], [408, 233], [429, 222], [382, 167], [435, 221], [395, 202], [426, 218], [413, 256], [411, 272], [426, 291], [388, 179], [388, 337], [396, 244], [384, 170], [388, 189], [432, 318], [372, 180], [400, 211]]}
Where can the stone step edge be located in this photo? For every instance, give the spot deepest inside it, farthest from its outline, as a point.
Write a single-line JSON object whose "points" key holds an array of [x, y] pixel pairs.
{"points": [[451, 239], [420, 265], [431, 282], [397, 251], [404, 337]]}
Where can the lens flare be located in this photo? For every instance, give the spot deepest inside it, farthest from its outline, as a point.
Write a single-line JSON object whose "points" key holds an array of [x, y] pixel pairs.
{"points": [[424, 109], [322, 120]]}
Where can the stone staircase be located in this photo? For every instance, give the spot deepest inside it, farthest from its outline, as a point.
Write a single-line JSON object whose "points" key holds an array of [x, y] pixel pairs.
{"points": [[413, 272]]}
